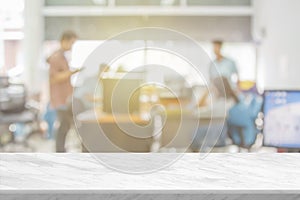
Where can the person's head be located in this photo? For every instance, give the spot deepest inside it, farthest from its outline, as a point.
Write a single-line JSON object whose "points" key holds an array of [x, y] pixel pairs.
{"points": [[218, 47], [67, 40]]}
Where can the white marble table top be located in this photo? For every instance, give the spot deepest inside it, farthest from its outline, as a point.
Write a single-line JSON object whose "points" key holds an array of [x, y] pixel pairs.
{"points": [[235, 172]]}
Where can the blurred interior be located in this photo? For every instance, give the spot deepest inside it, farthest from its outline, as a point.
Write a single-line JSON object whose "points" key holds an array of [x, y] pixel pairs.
{"points": [[165, 112]]}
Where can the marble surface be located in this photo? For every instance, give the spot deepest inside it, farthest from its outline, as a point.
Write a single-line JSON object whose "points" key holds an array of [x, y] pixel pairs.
{"points": [[191, 174]]}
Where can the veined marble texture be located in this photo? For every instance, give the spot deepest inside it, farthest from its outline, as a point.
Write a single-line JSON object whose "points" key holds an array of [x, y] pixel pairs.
{"points": [[215, 176]]}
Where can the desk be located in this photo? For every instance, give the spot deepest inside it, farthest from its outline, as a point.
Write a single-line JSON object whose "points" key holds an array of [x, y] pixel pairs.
{"points": [[174, 134], [99, 132], [217, 176], [91, 116]]}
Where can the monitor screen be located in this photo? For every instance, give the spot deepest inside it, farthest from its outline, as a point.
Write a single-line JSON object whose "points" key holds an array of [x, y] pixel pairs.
{"points": [[282, 119]]}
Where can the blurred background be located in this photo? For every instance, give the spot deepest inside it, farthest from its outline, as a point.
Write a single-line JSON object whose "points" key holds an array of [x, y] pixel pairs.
{"points": [[254, 44]]}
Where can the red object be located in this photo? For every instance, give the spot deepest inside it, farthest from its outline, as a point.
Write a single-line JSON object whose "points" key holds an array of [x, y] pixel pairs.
{"points": [[282, 150]]}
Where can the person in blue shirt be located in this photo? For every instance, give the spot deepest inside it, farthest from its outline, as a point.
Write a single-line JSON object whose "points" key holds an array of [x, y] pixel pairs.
{"points": [[223, 66]]}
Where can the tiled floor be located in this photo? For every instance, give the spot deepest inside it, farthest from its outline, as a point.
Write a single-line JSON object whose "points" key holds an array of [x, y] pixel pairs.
{"points": [[38, 143]]}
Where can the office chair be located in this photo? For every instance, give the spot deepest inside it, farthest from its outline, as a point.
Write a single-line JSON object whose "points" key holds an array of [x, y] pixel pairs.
{"points": [[215, 133], [241, 117], [15, 110], [241, 122]]}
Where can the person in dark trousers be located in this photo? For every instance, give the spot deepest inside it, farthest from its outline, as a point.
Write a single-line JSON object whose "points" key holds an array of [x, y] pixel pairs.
{"points": [[61, 88]]}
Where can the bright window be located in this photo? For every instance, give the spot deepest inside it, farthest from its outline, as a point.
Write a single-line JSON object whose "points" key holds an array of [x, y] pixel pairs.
{"points": [[244, 54], [11, 34]]}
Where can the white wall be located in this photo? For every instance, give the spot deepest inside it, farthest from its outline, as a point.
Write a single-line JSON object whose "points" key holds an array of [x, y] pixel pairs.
{"points": [[202, 28], [32, 44], [276, 26]]}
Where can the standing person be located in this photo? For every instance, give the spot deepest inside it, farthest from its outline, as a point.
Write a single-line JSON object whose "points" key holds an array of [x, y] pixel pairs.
{"points": [[61, 88], [223, 66], [220, 67]]}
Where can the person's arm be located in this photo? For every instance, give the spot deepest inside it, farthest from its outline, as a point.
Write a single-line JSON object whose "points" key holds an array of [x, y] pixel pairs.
{"points": [[224, 88], [235, 73], [203, 99], [212, 71], [234, 68], [61, 76]]}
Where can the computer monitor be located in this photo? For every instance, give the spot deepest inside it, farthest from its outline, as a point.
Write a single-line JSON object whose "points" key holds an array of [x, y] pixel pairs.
{"points": [[282, 118], [121, 95]]}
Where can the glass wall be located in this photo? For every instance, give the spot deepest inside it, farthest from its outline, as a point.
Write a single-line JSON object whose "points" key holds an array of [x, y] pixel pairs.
{"points": [[75, 2], [243, 53], [148, 2], [219, 2]]}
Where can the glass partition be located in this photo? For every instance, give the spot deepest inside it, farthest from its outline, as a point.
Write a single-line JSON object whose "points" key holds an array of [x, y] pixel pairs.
{"points": [[147, 2], [75, 2], [219, 2]]}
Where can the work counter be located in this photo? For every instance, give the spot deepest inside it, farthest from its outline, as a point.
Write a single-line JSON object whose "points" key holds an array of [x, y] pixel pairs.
{"points": [[191, 176], [102, 132]]}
